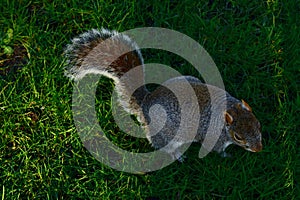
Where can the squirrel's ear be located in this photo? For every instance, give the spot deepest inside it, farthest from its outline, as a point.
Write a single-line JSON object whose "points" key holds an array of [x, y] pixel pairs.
{"points": [[228, 118], [246, 106]]}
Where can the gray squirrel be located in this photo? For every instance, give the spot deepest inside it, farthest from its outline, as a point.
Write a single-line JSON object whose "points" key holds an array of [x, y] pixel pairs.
{"points": [[88, 53]]}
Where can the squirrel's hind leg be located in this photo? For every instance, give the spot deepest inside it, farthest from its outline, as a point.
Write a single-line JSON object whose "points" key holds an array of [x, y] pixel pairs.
{"points": [[180, 157], [223, 154], [175, 151]]}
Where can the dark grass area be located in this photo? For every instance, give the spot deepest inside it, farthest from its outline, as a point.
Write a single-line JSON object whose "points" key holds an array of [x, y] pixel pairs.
{"points": [[255, 45]]}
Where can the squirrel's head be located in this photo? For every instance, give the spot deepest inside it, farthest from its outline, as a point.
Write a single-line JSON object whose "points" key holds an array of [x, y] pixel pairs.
{"points": [[243, 127]]}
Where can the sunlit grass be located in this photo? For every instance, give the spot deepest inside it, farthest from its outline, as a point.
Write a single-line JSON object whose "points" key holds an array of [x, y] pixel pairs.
{"points": [[255, 46]]}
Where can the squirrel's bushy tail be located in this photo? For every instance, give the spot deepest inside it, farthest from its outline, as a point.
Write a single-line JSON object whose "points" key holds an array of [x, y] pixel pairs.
{"points": [[111, 54], [101, 52]]}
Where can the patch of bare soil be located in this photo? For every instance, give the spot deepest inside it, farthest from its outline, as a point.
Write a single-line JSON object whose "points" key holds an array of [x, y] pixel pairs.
{"points": [[9, 64]]}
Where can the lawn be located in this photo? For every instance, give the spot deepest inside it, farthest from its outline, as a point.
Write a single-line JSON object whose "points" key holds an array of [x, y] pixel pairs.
{"points": [[256, 46]]}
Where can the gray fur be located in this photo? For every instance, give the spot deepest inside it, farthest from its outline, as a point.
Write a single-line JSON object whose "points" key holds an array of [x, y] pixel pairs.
{"points": [[88, 54]]}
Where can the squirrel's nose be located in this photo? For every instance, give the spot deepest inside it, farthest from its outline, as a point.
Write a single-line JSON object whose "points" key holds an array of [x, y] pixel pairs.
{"points": [[257, 148]]}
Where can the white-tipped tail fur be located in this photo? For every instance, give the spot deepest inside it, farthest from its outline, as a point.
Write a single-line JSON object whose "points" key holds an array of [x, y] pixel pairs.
{"points": [[95, 50], [111, 54]]}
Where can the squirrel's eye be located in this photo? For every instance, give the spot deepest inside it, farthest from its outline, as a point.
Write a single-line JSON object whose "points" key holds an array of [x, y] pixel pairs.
{"points": [[237, 137]]}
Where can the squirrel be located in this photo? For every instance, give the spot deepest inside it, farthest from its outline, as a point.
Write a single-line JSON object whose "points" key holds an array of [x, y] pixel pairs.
{"points": [[88, 53]]}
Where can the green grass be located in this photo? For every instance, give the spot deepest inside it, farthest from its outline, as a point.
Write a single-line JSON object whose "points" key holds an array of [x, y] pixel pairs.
{"points": [[255, 45]]}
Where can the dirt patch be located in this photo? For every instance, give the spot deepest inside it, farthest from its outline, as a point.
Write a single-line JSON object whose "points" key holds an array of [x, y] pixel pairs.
{"points": [[9, 64]]}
